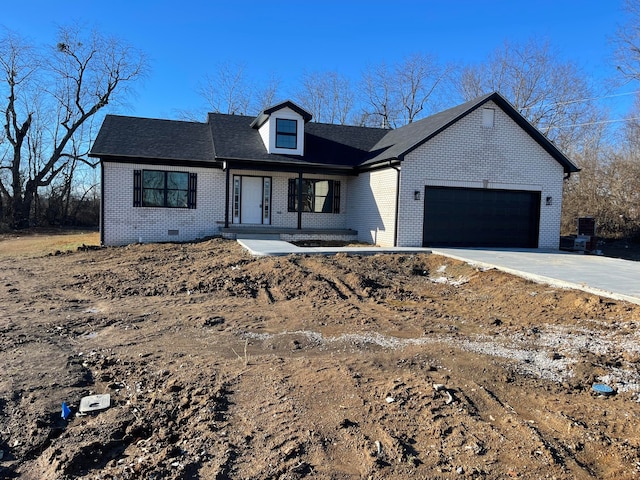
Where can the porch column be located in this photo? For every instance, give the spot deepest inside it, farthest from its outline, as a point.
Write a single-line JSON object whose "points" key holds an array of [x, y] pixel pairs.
{"points": [[226, 198], [300, 201]]}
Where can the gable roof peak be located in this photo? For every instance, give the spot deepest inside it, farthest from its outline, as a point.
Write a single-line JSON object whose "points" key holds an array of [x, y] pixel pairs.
{"points": [[397, 143], [264, 115]]}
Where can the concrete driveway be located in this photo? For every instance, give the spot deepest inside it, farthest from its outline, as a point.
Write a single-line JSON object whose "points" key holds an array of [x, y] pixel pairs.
{"points": [[609, 277]]}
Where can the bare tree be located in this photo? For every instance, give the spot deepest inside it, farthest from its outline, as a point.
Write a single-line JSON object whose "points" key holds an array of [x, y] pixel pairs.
{"points": [[608, 189], [52, 97], [226, 91], [380, 94], [418, 78], [400, 94], [328, 97], [551, 93], [229, 90], [266, 97], [627, 42], [585, 192]]}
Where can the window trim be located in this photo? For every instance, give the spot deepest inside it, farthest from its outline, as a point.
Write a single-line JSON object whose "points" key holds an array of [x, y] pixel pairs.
{"points": [[139, 188], [293, 195], [293, 134]]}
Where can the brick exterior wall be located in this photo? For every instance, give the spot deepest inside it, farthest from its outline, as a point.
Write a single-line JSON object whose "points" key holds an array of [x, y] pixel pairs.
{"points": [[466, 154], [372, 206], [469, 155], [123, 223]]}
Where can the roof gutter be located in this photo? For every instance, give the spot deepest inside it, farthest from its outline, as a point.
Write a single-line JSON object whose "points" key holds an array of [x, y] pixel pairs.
{"points": [[390, 162]]}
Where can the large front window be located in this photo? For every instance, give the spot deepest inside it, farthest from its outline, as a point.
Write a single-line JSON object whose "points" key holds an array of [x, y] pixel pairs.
{"points": [[158, 188], [164, 189], [286, 133], [319, 196]]}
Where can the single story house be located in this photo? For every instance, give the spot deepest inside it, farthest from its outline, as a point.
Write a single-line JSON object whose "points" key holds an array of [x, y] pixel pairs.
{"points": [[478, 174]]}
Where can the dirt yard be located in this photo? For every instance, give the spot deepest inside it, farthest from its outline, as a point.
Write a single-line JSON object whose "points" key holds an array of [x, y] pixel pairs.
{"points": [[224, 366]]}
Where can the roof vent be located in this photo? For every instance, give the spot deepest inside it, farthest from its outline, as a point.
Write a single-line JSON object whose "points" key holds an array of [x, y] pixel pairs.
{"points": [[488, 116]]}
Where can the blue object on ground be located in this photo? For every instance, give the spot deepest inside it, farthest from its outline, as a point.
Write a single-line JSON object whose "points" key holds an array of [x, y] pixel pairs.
{"points": [[66, 411], [602, 389]]}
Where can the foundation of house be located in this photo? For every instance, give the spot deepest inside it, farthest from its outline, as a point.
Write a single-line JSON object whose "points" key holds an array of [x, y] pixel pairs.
{"points": [[288, 234]]}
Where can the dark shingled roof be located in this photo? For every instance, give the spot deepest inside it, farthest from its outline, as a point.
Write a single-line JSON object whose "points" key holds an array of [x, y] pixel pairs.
{"points": [[230, 137], [325, 144], [136, 137]]}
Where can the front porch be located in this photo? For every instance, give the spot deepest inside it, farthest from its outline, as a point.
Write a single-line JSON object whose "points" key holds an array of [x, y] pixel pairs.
{"points": [[234, 232]]}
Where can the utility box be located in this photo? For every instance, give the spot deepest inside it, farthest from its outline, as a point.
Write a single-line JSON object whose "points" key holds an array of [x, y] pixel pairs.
{"points": [[580, 244], [587, 233], [585, 241]]}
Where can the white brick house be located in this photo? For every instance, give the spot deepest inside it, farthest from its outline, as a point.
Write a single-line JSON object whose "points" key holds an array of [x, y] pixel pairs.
{"points": [[475, 175]]}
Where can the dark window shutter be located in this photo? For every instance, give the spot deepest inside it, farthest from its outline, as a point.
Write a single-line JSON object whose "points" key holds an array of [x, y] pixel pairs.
{"points": [[193, 183], [137, 188], [336, 196]]}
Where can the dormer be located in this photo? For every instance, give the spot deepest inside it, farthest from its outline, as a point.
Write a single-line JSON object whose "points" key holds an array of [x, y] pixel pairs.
{"points": [[281, 128]]}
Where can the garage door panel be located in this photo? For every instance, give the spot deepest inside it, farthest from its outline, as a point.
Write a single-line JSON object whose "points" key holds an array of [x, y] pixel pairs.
{"points": [[481, 217]]}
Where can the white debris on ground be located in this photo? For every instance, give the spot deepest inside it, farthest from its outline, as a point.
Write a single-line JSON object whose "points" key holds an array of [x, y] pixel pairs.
{"points": [[461, 280], [547, 353]]}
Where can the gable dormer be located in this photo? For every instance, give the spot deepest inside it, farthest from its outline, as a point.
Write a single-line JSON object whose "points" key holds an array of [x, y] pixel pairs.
{"points": [[281, 128]]}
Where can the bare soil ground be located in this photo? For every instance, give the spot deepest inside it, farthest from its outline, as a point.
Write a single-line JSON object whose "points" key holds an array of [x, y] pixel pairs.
{"points": [[224, 366]]}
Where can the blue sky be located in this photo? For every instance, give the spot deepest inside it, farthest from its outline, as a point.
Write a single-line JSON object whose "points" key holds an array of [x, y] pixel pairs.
{"points": [[187, 40]]}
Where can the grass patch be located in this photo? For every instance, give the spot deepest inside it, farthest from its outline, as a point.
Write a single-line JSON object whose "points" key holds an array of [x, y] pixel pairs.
{"points": [[38, 244]]}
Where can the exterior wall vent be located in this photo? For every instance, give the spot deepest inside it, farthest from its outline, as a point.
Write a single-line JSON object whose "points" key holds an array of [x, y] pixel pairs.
{"points": [[488, 117]]}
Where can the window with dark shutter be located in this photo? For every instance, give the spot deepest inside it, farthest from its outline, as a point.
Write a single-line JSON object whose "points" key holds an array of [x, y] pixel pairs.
{"points": [[158, 188], [318, 196]]}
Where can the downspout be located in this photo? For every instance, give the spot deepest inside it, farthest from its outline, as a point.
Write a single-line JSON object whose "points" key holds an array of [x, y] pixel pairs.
{"points": [[226, 195], [101, 203], [396, 222], [300, 200]]}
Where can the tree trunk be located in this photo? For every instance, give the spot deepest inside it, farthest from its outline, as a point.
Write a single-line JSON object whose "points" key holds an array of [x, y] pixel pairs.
{"points": [[21, 212]]}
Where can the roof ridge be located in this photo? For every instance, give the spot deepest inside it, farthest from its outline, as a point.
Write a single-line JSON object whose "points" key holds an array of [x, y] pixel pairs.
{"points": [[155, 119]]}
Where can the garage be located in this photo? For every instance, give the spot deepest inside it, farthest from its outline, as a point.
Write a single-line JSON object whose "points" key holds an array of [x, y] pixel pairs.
{"points": [[474, 217]]}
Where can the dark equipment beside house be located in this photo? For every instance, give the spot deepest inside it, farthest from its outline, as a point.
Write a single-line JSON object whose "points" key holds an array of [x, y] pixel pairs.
{"points": [[585, 241]]}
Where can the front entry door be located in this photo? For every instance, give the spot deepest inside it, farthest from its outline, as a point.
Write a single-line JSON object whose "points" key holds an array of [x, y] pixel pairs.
{"points": [[253, 200]]}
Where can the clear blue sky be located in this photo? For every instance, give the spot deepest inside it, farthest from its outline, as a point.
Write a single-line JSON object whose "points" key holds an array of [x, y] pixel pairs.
{"points": [[185, 40]]}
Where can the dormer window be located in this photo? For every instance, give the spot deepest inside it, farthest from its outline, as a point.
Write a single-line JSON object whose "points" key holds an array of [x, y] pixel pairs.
{"points": [[286, 133], [281, 128]]}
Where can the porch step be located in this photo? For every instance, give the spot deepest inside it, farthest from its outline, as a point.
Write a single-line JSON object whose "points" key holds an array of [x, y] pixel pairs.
{"points": [[257, 236]]}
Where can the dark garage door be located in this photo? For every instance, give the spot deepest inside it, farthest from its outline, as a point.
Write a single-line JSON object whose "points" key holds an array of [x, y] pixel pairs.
{"points": [[468, 217]]}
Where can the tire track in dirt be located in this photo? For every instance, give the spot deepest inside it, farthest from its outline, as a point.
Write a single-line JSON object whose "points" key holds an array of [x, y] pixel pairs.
{"points": [[334, 276], [263, 428], [310, 397]]}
